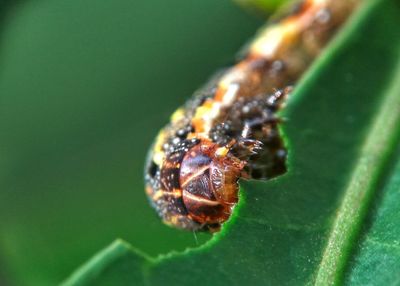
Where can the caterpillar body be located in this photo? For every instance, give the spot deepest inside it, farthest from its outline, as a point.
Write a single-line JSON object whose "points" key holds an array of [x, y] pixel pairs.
{"points": [[229, 128]]}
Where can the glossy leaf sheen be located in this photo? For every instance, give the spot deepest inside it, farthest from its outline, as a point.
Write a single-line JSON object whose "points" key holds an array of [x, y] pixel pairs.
{"points": [[333, 215]]}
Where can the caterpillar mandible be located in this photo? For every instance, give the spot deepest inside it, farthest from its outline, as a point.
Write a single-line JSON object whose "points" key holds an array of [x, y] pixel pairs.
{"points": [[229, 128]]}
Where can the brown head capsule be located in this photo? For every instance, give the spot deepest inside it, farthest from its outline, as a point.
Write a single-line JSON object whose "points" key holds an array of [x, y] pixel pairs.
{"points": [[209, 182], [196, 186]]}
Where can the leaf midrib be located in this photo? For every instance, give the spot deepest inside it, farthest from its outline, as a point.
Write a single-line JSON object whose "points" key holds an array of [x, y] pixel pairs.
{"points": [[379, 143]]}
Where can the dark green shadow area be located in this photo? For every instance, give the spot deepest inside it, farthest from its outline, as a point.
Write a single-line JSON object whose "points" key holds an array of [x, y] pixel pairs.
{"points": [[84, 88]]}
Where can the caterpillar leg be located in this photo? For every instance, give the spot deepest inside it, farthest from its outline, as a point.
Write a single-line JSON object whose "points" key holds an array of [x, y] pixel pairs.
{"points": [[260, 140], [268, 161]]}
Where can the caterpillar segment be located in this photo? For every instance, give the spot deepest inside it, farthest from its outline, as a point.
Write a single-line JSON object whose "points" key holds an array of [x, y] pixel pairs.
{"points": [[229, 128]]}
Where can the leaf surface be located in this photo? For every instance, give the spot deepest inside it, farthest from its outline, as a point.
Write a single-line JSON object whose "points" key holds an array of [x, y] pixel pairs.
{"points": [[308, 226]]}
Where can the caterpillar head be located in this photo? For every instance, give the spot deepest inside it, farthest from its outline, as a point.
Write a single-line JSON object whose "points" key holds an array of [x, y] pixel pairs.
{"points": [[208, 178], [196, 185]]}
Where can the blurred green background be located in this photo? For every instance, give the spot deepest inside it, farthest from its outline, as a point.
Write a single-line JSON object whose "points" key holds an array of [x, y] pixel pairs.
{"points": [[85, 85]]}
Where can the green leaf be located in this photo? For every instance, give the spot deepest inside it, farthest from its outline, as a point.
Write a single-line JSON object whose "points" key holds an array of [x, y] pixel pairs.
{"points": [[377, 256], [118, 262], [309, 226]]}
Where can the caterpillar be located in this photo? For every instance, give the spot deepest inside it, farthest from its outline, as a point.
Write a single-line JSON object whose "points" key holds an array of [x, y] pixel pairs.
{"points": [[229, 128]]}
